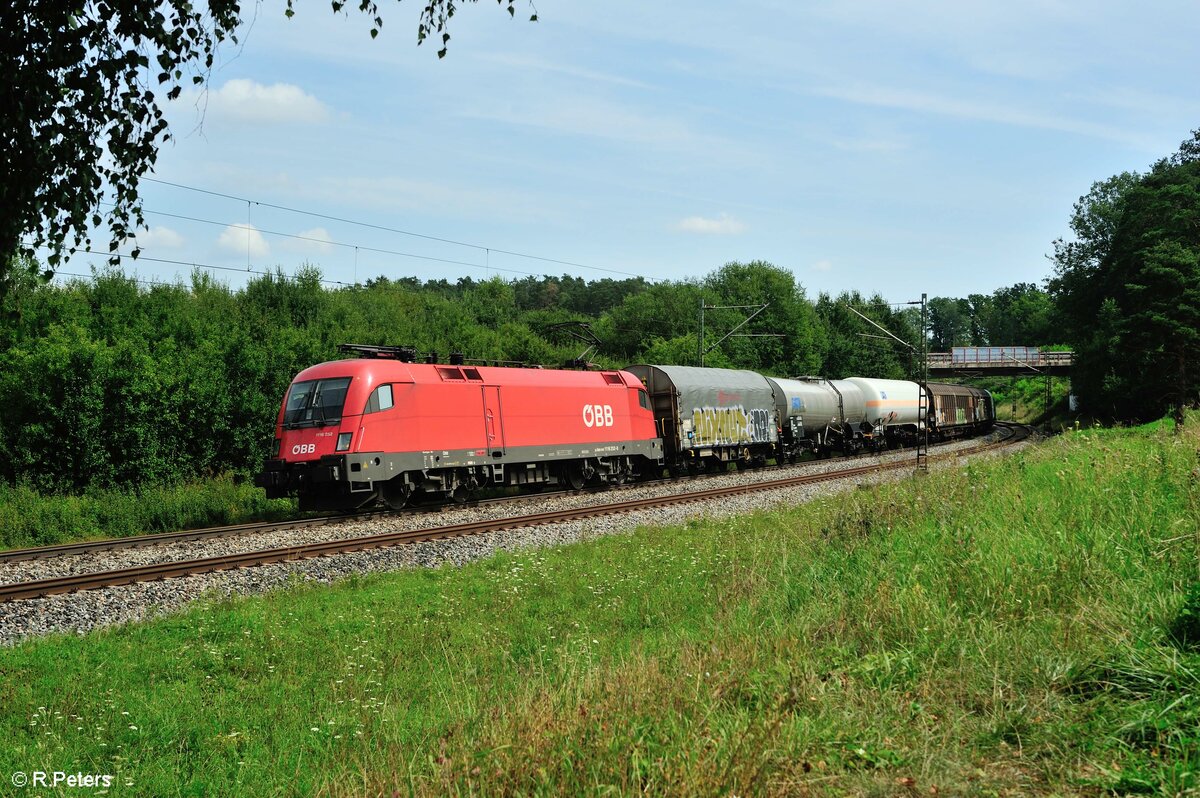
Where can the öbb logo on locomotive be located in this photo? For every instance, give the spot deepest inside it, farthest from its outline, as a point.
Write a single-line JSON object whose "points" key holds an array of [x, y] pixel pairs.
{"points": [[597, 415], [304, 448]]}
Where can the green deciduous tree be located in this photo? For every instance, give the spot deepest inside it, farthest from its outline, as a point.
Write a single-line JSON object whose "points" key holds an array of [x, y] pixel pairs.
{"points": [[661, 312], [949, 323], [791, 337], [851, 346], [1020, 315]]}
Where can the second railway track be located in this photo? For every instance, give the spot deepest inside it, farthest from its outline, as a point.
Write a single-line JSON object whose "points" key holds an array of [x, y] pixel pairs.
{"points": [[166, 570]]}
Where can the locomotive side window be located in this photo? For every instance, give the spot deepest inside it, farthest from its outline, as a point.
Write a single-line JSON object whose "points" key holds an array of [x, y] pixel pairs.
{"points": [[381, 399], [315, 402], [644, 400]]}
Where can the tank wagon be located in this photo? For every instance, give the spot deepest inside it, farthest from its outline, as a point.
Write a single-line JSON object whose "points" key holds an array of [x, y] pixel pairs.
{"points": [[708, 416], [376, 427], [822, 416], [818, 416]]}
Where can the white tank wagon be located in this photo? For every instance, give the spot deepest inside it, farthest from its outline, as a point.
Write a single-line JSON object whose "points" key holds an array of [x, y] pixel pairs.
{"points": [[890, 403], [708, 416], [819, 416]]}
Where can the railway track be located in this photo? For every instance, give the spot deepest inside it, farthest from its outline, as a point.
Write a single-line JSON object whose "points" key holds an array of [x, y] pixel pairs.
{"points": [[257, 527], [159, 571], [185, 536], [233, 530]]}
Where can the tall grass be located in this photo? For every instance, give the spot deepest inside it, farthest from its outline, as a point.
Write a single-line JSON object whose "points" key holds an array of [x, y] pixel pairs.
{"points": [[29, 518], [1018, 627]]}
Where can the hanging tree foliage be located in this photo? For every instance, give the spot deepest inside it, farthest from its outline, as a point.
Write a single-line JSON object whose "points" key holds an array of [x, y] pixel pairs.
{"points": [[81, 110]]}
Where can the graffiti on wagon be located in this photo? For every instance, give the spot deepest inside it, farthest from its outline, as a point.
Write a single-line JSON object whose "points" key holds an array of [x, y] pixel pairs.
{"points": [[715, 426]]}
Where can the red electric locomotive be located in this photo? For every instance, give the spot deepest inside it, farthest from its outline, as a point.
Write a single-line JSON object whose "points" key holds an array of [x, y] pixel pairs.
{"points": [[379, 427]]}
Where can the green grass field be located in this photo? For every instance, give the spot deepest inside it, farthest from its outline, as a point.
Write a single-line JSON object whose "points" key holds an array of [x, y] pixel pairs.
{"points": [[1028, 625]]}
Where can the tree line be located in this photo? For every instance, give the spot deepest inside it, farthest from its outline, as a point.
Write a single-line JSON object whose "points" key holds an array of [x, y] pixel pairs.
{"points": [[111, 382]]}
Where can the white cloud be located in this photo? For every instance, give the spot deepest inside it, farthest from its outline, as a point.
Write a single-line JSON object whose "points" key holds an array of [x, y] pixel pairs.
{"points": [[158, 237], [723, 225], [316, 241], [243, 100], [822, 266], [983, 111], [243, 239]]}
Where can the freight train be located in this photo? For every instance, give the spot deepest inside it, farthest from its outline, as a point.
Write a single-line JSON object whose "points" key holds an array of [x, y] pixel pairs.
{"points": [[381, 428]]}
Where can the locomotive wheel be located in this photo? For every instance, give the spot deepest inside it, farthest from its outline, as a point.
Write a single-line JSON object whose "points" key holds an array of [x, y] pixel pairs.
{"points": [[395, 494], [574, 476], [460, 494]]}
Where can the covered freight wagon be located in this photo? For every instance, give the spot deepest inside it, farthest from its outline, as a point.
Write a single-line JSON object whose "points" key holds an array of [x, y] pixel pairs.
{"points": [[959, 409], [706, 416]]}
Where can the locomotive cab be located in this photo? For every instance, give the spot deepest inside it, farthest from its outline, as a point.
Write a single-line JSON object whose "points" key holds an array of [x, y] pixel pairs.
{"points": [[311, 409], [318, 424]]}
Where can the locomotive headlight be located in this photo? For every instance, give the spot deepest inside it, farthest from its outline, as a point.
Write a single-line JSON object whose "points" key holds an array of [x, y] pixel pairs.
{"points": [[343, 442]]}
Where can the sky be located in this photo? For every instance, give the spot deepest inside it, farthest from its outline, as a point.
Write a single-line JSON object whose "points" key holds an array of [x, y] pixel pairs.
{"points": [[883, 147]]}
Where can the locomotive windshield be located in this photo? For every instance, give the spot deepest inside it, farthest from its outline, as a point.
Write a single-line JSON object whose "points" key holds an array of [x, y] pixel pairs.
{"points": [[315, 403]]}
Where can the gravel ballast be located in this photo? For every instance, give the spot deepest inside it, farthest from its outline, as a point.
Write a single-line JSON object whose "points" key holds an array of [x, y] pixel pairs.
{"points": [[84, 611]]}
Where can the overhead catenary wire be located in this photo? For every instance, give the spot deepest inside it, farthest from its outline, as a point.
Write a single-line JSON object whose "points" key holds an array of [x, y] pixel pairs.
{"points": [[385, 228], [328, 242]]}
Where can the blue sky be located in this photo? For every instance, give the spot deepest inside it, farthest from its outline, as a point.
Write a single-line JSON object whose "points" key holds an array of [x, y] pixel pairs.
{"points": [[883, 147]]}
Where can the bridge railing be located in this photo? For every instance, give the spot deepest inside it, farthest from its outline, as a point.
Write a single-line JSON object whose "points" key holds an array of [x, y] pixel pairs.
{"points": [[1000, 357]]}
